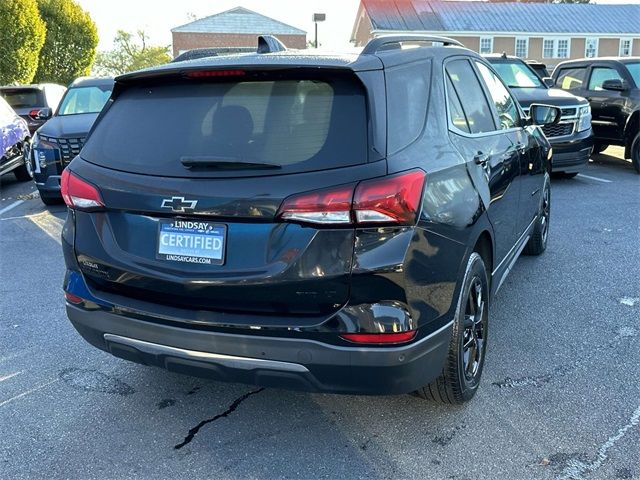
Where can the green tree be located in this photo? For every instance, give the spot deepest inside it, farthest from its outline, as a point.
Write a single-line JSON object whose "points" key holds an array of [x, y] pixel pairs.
{"points": [[130, 52], [70, 45], [22, 34]]}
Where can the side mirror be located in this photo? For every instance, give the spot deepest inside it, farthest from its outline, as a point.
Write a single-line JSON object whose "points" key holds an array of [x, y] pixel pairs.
{"points": [[44, 114], [543, 115], [614, 84], [549, 82]]}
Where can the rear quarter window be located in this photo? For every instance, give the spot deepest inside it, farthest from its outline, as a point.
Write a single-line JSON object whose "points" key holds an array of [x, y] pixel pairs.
{"points": [[295, 124], [407, 102]]}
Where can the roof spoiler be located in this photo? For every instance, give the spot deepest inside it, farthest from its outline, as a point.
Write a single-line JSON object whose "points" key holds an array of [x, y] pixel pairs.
{"points": [[378, 43], [270, 44]]}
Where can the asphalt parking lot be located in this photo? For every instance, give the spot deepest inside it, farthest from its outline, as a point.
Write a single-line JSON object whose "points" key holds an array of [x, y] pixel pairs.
{"points": [[560, 395]]}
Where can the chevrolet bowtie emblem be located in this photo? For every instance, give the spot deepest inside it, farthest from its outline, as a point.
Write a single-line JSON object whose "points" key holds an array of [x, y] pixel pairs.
{"points": [[179, 204]]}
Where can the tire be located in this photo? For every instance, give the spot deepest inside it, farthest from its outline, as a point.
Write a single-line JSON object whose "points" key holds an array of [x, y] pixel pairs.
{"points": [[635, 153], [538, 241], [22, 174], [600, 147], [462, 370]]}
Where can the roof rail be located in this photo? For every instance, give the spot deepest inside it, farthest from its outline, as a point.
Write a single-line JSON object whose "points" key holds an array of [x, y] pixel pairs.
{"points": [[270, 44], [377, 43]]}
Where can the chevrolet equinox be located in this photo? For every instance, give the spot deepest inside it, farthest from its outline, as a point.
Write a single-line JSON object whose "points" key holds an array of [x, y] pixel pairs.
{"points": [[334, 223]]}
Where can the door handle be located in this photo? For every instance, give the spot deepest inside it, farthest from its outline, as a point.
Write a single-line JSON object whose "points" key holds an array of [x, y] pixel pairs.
{"points": [[481, 159]]}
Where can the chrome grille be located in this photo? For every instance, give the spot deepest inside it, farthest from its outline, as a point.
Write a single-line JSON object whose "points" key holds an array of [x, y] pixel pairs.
{"points": [[558, 130]]}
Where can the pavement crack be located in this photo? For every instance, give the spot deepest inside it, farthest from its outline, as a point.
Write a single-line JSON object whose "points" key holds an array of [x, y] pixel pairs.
{"points": [[232, 408]]}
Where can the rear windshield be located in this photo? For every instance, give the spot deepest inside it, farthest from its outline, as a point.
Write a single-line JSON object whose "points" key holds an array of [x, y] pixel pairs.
{"points": [[24, 97], [273, 126]]}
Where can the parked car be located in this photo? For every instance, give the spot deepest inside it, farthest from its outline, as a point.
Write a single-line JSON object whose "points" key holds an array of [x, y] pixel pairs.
{"points": [[539, 68], [14, 136], [572, 137], [328, 223], [61, 138], [34, 103], [612, 86]]}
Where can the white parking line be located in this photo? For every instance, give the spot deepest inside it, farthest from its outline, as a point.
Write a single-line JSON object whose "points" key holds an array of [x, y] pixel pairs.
{"points": [[597, 179], [23, 394], [13, 205], [49, 224], [7, 377]]}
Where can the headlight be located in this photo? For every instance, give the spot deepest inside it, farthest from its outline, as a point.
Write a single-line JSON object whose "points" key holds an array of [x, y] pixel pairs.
{"points": [[584, 118], [43, 151]]}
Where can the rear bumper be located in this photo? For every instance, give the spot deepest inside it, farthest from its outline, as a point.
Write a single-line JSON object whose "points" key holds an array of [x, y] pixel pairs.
{"points": [[300, 364], [571, 155]]}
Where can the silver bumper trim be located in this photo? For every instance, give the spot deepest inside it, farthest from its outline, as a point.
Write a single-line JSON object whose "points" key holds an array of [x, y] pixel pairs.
{"points": [[242, 363]]}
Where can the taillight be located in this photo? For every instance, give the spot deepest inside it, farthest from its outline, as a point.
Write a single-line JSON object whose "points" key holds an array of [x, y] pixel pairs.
{"points": [[34, 113], [391, 200], [79, 194], [394, 199], [328, 206], [379, 338]]}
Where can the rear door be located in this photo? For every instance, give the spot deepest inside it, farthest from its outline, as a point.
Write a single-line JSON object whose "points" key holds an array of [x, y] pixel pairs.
{"points": [[192, 172], [491, 155], [525, 147], [606, 105]]}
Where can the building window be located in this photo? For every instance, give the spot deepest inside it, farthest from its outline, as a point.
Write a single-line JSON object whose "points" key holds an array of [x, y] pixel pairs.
{"points": [[625, 47], [555, 48], [591, 47], [548, 48], [522, 47], [563, 49], [486, 45]]}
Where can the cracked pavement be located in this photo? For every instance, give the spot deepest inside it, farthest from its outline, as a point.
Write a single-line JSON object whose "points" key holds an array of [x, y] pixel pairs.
{"points": [[560, 396]]}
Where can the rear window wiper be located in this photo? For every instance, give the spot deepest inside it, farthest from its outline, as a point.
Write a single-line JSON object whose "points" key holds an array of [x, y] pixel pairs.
{"points": [[225, 163]]}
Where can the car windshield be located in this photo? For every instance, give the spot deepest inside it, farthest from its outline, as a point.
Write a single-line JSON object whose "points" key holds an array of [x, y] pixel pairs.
{"points": [[23, 97], [79, 100], [634, 70], [517, 75]]}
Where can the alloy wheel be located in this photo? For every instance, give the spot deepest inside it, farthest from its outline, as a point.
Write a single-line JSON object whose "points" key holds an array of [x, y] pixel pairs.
{"points": [[474, 336]]}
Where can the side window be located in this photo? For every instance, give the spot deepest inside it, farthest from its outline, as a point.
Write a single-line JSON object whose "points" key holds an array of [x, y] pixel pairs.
{"points": [[571, 78], [408, 90], [599, 75], [473, 101], [455, 108], [504, 102]]}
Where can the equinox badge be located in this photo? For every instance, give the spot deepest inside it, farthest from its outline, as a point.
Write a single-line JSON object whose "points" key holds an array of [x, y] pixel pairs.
{"points": [[179, 204]]}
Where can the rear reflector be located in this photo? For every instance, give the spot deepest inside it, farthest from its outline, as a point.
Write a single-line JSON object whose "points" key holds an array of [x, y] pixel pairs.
{"points": [[78, 193], [391, 200], [380, 338], [71, 298], [215, 73]]}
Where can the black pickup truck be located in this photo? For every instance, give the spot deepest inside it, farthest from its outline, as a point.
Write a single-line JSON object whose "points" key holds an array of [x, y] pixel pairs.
{"points": [[612, 86], [572, 137]]}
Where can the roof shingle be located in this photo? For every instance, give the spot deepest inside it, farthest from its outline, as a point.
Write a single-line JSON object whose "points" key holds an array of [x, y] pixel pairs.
{"points": [[239, 20]]}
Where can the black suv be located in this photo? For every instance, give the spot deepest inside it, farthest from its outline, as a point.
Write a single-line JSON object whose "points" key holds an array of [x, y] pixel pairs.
{"points": [[34, 103], [334, 223], [58, 141], [612, 86], [572, 137]]}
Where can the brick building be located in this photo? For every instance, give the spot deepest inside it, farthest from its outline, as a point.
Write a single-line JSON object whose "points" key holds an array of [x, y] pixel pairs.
{"points": [[545, 32], [238, 27]]}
